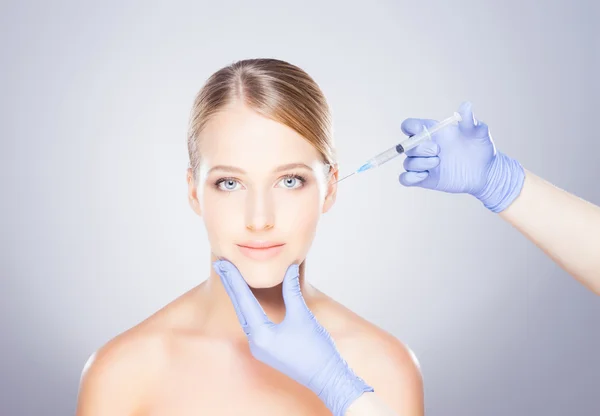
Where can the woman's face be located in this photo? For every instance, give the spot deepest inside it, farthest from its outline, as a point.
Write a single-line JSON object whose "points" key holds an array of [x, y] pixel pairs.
{"points": [[260, 183]]}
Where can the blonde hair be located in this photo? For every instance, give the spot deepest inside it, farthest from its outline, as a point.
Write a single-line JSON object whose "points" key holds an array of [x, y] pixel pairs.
{"points": [[274, 89]]}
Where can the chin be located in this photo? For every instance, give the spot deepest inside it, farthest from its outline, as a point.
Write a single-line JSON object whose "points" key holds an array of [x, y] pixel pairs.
{"points": [[263, 274]]}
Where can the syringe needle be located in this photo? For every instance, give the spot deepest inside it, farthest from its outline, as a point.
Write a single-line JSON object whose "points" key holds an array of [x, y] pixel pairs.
{"points": [[347, 176], [405, 145]]}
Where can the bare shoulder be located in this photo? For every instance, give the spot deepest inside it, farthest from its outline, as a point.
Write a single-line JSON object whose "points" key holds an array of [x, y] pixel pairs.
{"points": [[121, 376], [118, 377], [377, 356]]}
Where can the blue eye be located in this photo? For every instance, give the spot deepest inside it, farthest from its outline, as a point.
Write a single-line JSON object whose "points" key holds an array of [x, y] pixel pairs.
{"points": [[226, 184], [289, 182], [293, 181]]}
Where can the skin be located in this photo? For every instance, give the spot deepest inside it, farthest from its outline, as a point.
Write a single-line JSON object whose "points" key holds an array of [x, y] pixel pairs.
{"points": [[192, 357], [564, 226]]}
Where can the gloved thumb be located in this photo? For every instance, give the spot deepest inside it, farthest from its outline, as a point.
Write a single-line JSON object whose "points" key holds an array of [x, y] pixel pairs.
{"points": [[292, 295], [468, 123]]}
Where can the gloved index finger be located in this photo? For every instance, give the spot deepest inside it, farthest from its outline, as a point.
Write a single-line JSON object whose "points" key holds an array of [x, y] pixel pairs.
{"points": [[231, 295], [426, 148], [247, 304], [412, 126]]}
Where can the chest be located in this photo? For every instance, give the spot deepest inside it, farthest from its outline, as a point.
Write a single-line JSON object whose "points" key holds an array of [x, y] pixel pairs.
{"points": [[231, 384]]}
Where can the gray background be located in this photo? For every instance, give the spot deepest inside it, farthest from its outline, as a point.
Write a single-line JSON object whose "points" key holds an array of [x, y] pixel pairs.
{"points": [[97, 233]]}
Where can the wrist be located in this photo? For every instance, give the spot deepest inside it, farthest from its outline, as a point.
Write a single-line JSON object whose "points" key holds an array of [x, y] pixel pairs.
{"points": [[342, 386], [504, 182]]}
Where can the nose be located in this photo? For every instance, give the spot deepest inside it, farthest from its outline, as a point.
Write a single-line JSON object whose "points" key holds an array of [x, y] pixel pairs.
{"points": [[259, 211]]}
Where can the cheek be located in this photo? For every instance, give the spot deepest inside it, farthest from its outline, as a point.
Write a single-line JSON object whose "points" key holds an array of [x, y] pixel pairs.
{"points": [[221, 216], [299, 215]]}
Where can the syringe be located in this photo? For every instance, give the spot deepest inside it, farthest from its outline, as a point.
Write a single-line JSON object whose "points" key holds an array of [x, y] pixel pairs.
{"points": [[404, 145]]}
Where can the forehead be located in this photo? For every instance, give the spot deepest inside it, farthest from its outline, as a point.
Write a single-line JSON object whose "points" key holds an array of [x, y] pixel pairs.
{"points": [[241, 137]]}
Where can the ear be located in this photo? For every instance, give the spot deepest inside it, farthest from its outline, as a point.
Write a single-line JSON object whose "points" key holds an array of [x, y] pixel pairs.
{"points": [[192, 194], [332, 178]]}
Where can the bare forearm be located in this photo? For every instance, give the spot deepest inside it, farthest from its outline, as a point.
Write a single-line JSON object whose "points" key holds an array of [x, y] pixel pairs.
{"points": [[368, 404], [565, 227]]}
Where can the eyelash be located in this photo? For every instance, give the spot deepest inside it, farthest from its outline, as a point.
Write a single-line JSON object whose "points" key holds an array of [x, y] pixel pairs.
{"points": [[301, 178]]}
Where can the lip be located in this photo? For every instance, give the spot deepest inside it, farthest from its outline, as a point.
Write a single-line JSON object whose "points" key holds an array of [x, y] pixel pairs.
{"points": [[260, 244], [260, 250]]}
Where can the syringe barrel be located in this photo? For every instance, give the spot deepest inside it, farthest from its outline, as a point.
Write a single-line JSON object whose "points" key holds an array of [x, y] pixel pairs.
{"points": [[384, 157], [413, 141], [408, 144]]}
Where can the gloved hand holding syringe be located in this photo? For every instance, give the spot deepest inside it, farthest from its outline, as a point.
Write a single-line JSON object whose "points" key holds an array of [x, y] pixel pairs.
{"points": [[407, 144], [459, 158]]}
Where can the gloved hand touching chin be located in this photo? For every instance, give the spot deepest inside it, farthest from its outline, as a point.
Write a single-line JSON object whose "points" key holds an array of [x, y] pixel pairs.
{"points": [[462, 159], [299, 346]]}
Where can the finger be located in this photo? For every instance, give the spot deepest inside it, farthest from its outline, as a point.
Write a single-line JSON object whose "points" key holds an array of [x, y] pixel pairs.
{"points": [[481, 130], [292, 295], [231, 295], [412, 126], [413, 178], [425, 148], [469, 125], [417, 164], [249, 307]]}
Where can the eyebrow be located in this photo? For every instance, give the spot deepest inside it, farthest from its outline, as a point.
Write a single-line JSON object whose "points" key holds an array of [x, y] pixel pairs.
{"points": [[241, 171]]}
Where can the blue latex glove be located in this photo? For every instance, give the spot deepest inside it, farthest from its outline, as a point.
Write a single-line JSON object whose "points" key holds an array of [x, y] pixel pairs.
{"points": [[299, 346], [462, 159]]}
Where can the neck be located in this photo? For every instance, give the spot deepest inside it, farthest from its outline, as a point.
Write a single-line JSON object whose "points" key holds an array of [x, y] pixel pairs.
{"points": [[220, 317]]}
